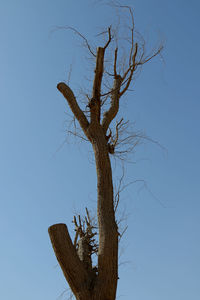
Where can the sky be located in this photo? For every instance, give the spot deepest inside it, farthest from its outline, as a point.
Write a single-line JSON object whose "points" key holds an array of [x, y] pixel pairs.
{"points": [[45, 177]]}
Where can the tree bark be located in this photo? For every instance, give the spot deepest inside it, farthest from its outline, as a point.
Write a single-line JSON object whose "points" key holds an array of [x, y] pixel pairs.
{"points": [[108, 233], [73, 269], [87, 285]]}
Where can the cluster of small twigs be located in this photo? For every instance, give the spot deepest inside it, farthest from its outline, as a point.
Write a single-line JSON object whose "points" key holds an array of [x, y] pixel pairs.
{"points": [[85, 230]]}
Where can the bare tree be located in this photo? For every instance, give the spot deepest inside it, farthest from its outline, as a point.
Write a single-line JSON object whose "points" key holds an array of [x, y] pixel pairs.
{"points": [[113, 76]]}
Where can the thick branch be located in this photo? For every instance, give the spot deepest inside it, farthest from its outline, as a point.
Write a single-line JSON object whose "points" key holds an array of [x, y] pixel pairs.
{"points": [[115, 63], [96, 93], [95, 102], [72, 267], [114, 106], [78, 113]]}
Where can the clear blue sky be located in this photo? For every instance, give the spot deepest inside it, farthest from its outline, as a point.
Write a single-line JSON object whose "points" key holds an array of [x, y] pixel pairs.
{"points": [[41, 186]]}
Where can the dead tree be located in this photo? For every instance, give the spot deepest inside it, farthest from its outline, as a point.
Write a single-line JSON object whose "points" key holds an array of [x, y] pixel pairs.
{"points": [[85, 280]]}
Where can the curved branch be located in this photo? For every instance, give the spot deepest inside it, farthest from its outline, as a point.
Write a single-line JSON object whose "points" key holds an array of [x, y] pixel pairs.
{"points": [[81, 35], [142, 62], [109, 38], [71, 99], [114, 107], [131, 69]]}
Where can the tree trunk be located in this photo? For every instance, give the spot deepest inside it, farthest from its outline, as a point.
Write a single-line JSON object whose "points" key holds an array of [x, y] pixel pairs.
{"points": [[108, 234], [85, 284]]}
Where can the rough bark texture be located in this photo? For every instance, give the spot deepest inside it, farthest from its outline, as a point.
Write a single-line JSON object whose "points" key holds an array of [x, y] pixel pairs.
{"points": [[73, 269], [86, 284], [108, 234]]}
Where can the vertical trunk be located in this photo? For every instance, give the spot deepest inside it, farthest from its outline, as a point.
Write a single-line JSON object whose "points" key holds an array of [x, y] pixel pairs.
{"points": [[85, 284], [108, 234]]}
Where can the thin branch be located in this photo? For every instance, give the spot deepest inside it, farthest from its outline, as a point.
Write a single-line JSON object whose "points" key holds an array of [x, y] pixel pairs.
{"points": [[78, 135], [79, 34], [109, 38], [111, 146], [131, 69], [88, 216], [116, 199], [142, 62], [121, 234], [132, 43], [69, 74], [132, 66]]}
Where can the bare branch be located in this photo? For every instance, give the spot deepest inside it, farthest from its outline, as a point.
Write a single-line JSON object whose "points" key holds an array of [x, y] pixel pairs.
{"points": [[142, 62], [72, 267], [132, 43], [117, 132], [79, 219], [113, 143], [77, 135], [95, 102], [115, 63], [69, 74], [114, 106], [78, 113], [77, 232], [132, 66], [121, 234], [116, 199], [88, 216], [109, 38], [79, 34], [131, 70]]}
